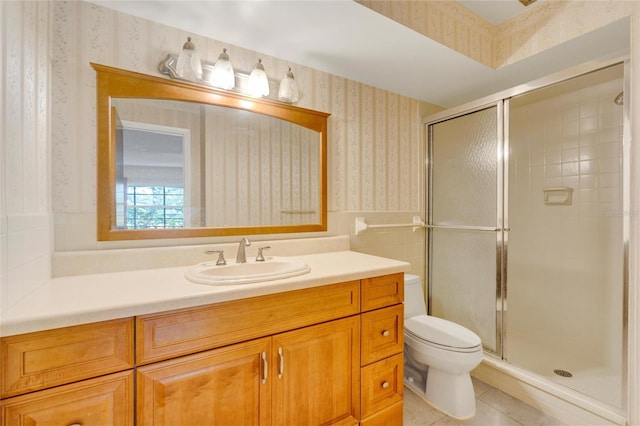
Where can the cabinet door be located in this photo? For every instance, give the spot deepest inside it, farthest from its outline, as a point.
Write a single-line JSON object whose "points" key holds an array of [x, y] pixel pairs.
{"points": [[103, 401], [317, 374], [226, 386]]}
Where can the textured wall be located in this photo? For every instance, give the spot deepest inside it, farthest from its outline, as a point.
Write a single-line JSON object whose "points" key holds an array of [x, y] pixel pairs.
{"points": [[374, 135], [25, 224], [551, 24], [446, 22], [542, 27]]}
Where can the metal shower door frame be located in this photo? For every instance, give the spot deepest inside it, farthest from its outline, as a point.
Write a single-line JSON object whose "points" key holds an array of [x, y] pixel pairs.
{"points": [[500, 228], [501, 99]]}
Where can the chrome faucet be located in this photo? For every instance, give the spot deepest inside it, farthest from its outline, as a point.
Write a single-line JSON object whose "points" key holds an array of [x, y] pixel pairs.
{"points": [[241, 257]]}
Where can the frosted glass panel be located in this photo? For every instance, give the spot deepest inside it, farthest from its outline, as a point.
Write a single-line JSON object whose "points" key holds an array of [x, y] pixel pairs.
{"points": [[464, 170], [463, 278]]}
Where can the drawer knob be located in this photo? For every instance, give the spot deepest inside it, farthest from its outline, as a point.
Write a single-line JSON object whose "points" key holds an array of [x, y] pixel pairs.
{"points": [[385, 384], [385, 333]]}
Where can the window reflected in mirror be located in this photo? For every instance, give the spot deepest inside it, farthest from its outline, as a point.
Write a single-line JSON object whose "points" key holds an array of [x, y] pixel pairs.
{"points": [[155, 173]]}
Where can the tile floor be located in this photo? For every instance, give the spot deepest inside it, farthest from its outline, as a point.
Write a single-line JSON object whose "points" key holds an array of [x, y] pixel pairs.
{"points": [[493, 408]]}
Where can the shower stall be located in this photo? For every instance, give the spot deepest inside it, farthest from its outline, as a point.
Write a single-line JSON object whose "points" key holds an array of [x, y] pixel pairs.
{"points": [[527, 222]]}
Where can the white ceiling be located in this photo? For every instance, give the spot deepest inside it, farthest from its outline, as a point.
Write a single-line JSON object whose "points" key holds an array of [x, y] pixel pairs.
{"points": [[347, 39]]}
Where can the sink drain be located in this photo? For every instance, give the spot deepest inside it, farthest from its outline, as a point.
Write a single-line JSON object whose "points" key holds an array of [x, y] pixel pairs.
{"points": [[563, 373]]}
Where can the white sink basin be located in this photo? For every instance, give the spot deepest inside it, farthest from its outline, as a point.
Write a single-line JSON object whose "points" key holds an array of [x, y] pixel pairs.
{"points": [[273, 268]]}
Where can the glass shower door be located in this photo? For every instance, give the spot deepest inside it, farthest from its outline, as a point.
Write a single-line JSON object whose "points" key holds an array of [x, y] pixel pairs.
{"points": [[465, 222]]}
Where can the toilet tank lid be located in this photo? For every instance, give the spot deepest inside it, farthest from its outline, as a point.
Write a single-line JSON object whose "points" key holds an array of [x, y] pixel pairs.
{"points": [[411, 279], [442, 332]]}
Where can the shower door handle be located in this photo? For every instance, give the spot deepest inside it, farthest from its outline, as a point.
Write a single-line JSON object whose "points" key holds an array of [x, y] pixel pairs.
{"points": [[467, 228]]}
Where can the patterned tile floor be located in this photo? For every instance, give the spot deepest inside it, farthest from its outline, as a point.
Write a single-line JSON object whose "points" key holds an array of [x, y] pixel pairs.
{"points": [[493, 408]]}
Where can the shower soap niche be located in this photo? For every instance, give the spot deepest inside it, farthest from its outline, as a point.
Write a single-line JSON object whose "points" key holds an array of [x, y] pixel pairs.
{"points": [[558, 196]]}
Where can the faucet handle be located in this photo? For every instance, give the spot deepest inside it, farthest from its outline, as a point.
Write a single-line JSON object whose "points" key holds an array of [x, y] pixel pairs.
{"points": [[221, 260], [260, 257]]}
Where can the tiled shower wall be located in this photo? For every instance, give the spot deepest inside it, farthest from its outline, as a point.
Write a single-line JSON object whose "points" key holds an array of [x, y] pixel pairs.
{"points": [[25, 223], [565, 261]]}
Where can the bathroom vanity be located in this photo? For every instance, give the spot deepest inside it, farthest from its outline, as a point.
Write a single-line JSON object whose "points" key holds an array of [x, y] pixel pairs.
{"points": [[324, 348]]}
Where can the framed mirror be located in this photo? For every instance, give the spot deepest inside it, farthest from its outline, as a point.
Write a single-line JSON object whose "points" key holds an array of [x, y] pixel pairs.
{"points": [[177, 160]]}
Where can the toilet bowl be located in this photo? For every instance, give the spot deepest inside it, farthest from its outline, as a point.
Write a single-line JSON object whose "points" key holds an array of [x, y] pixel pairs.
{"points": [[439, 356]]}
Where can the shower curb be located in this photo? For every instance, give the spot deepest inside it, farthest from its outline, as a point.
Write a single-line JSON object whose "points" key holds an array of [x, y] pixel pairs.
{"points": [[537, 392]]}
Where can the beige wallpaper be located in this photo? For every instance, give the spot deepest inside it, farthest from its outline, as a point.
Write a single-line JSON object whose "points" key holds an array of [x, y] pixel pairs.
{"points": [[551, 24], [25, 223], [374, 149], [446, 22], [24, 101], [259, 171], [542, 27], [373, 134]]}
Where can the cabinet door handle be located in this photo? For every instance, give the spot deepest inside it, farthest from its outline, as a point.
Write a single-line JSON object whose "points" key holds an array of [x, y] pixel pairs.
{"points": [[280, 363], [385, 333], [265, 367], [385, 384]]}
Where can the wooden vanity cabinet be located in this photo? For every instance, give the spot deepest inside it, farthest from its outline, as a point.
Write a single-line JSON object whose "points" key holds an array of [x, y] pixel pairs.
{"points": [[295, 363], [324, 355], [308, 376], [382, 350], [317, 374], [181, 332], [73, 375], [106, 400], [44, 359], [225, 386]]}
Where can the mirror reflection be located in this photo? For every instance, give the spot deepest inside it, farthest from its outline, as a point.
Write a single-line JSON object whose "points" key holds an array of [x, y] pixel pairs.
{"points": [[213, 167], [180, 160]]}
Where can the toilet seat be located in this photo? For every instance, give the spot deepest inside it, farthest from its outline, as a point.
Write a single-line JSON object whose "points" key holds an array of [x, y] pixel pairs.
{"points": [[442, 334]]}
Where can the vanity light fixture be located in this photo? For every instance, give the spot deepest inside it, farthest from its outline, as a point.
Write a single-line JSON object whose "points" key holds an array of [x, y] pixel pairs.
{"points": [[288, 91], [189, 66], [258, 84], [222, 75]]}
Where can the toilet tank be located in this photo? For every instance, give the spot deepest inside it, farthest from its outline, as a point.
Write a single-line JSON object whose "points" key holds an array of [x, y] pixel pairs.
{"points": [[414, 303]]}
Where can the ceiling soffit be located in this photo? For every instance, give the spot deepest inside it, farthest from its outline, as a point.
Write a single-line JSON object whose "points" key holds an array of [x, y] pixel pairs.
{"points": [[456, 27], [445, 22]]}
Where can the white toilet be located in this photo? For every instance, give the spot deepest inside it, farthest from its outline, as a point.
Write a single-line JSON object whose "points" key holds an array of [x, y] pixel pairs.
{"points": [[439, 356]]}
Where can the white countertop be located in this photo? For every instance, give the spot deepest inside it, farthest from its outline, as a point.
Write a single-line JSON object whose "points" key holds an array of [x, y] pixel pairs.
{"points": [[84, 299]]}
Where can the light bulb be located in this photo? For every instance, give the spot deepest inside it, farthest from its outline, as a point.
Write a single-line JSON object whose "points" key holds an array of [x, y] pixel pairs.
{"points": [[288, 91], [258, 84], [222, 74], [189, 66]]}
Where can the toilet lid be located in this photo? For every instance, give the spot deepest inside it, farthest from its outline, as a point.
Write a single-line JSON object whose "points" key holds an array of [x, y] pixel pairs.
{"points": [[441, 332]]}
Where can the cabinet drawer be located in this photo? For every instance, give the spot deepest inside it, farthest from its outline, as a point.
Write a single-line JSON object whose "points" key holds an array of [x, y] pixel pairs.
{"points": [[382, 333], [391, 416], [379, 292], [382, 385], [107, 400], [49, 358], [162, 336]]}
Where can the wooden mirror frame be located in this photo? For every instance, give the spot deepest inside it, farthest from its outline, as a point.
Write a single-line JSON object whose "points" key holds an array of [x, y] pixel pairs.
{"points": [[118, 83]]}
